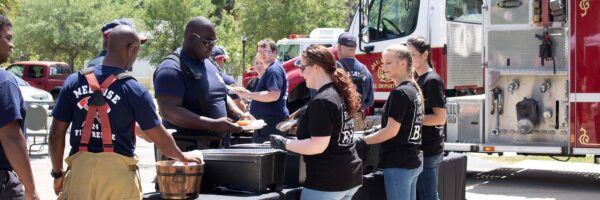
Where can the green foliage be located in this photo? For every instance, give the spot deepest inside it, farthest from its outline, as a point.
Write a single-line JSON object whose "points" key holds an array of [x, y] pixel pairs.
{"points": [[166, 20], [277, 19], [69, 30], [7, 6], [228, 33], [64, 30]]}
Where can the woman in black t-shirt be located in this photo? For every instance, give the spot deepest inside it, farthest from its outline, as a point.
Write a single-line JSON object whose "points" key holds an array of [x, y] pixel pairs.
{"points": [[401, 127], [325, 136], [435, 117]]}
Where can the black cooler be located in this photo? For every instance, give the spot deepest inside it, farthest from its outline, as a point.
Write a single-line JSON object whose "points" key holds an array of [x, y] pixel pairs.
{"points": [[295, 168], [251, 170]]}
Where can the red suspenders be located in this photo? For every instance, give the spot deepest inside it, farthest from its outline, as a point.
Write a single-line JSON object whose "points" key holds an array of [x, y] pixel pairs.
{"points": [[97, 105]]}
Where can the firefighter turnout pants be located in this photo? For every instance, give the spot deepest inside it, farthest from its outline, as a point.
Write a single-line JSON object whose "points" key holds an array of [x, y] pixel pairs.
{"points": [[101, 176]]}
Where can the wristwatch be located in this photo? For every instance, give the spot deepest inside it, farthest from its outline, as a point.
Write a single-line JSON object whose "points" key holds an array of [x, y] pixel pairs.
{"points": [[56, 175]]}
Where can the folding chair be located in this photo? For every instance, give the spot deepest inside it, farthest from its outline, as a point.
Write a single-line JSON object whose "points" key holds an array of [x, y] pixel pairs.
{"points": [[36, 121]]}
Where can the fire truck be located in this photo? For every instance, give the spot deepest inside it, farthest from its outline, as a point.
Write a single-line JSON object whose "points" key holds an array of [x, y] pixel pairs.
{"points": [[518, 73], [531, 61], [293, 46]]}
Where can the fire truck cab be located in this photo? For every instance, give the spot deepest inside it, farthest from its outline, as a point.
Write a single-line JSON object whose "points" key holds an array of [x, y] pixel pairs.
{"points": [[293, 46]]}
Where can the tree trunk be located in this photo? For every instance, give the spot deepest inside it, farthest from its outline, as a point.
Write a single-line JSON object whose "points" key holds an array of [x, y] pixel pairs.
{"points": [[71, 61]]}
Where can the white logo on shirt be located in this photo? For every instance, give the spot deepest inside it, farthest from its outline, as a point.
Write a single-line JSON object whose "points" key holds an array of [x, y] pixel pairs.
{"points": [[415, 133], [345, 137]]}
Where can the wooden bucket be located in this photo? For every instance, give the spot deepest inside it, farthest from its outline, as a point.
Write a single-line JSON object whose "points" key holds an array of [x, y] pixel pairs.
{"points": [[179, 182]]}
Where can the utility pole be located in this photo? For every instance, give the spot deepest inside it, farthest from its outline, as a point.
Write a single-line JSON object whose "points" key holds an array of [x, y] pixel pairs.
{"points": [[244, 52]]}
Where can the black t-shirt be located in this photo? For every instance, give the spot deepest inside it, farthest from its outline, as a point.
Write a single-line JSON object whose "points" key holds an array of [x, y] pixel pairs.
{"points": [[338, 168], [405, 106], [433, 91]]}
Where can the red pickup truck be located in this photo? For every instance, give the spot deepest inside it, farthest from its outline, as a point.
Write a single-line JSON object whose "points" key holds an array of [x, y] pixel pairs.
{"points": [[45, 75]]}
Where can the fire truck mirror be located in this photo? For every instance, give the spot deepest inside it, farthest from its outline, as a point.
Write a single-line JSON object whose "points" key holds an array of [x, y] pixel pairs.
{"points": [[527, 115], [365, 34]]}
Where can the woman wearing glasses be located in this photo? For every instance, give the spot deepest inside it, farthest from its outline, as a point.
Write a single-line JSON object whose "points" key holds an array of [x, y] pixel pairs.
{"points": [[401, 124], [333, 168]]}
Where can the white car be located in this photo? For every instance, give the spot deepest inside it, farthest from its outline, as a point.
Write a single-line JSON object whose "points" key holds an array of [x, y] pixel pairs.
{"points": [[34, 95]]}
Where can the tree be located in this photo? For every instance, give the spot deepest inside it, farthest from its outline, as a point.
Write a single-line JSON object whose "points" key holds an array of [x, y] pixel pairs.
{"points": [[6, 6], [166, 20], [230, 38], [277, 19], [64, 30]]}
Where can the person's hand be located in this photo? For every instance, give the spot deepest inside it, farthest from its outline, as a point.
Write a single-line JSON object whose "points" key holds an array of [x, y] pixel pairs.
{"points": [[33, 195], [247, 116], [243, 93], [360, 141], [190, 158], [58, 185], [278, 142], [226, 125]]}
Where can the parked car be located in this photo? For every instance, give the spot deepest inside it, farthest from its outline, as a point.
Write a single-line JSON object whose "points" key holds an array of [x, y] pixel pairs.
{"points": [[34, 95], [45, 75]]}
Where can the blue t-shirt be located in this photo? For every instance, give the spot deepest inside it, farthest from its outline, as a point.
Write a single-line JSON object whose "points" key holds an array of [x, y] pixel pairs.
{"points": [[274, 78], [208, 99], [128, 100], [361, 78], [98, 59], [12, 107]]}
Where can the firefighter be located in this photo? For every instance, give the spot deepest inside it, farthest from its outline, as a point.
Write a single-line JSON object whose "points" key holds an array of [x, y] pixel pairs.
{"points": [[270, 95], [401, 121], [102, 104], [435, 117], [219, 56], [191, 94], [15, 168], [325, 132], [346, 51]]}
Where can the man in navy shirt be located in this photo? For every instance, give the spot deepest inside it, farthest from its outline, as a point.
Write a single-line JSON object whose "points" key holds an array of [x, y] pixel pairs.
{"points": [[191, 94], [219, 55], [270, 95], [105, 33], [12, 130], [128, 102], [361, 77]]}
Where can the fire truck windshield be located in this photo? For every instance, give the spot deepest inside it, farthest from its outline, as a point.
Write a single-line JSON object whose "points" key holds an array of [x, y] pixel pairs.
{"points": [[286, 52], [389, 19]]}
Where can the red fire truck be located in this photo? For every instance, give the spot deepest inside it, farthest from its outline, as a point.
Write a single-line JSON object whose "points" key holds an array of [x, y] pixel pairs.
{"points": [[518, 73]]}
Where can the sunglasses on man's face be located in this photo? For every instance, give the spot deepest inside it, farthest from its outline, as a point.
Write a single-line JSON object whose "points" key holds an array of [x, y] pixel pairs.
{"points": [[207, 42]]}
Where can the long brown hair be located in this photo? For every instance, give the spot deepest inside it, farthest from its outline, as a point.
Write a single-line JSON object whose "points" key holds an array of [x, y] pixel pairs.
{"points": [[401, 52], [421, 45], [322, 57]]}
